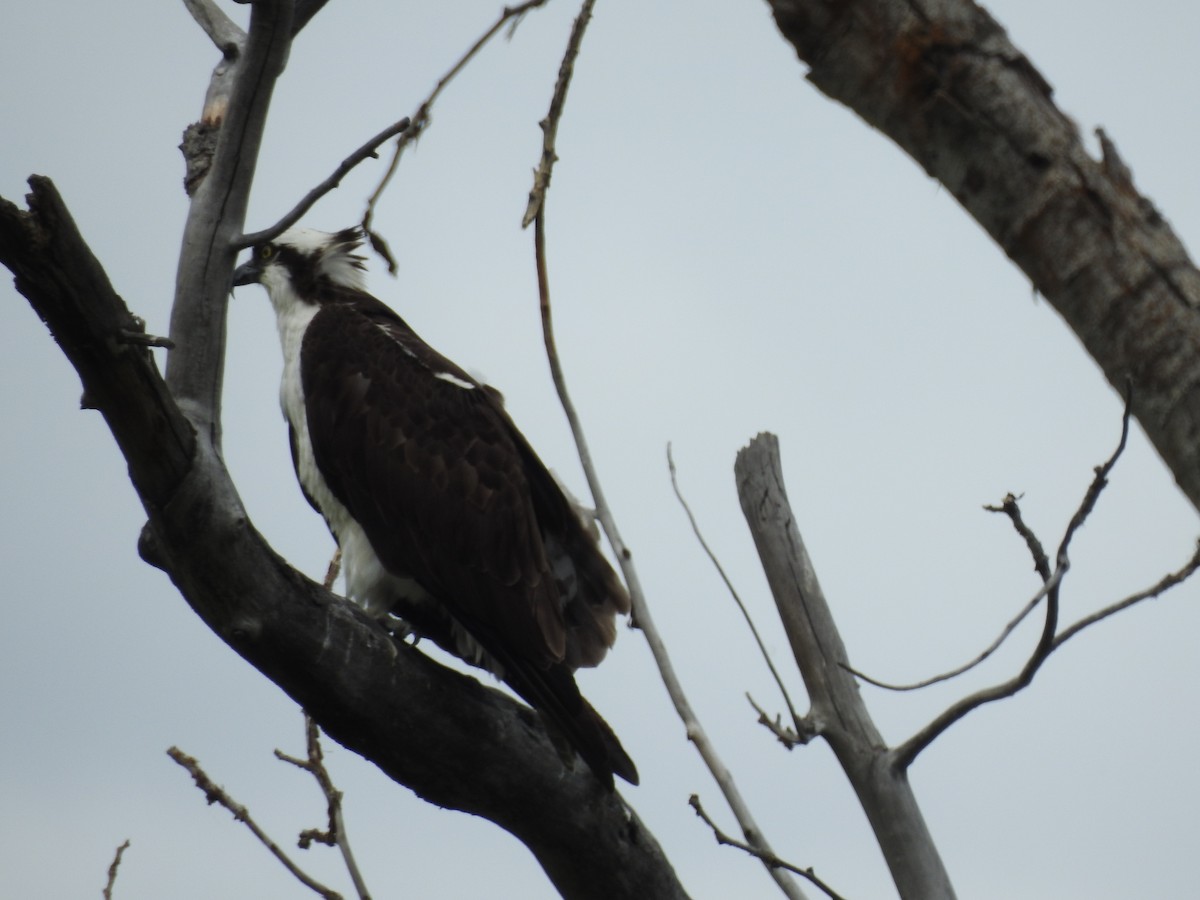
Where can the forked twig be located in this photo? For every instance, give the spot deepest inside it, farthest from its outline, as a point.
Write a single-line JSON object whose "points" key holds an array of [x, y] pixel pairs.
{"points": [[335, 834], [421, 119], [903, 755], [215, 794]]}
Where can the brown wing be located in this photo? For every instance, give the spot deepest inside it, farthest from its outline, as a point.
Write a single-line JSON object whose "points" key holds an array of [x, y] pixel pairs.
{"points": [[430, 471], [449, 493]]}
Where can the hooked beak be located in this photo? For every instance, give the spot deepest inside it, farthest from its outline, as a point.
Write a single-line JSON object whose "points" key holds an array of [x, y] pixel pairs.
{"points": [[246, 273]]}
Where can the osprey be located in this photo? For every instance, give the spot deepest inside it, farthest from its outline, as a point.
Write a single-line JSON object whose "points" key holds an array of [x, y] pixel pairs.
{"points": [[444, 515]]}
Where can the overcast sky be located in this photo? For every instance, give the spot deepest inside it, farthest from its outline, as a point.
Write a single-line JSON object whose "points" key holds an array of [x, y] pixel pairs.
{"points": [[730, 252]]}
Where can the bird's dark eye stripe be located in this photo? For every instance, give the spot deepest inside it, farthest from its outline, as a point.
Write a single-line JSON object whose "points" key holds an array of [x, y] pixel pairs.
{"points": [[264, 252]]}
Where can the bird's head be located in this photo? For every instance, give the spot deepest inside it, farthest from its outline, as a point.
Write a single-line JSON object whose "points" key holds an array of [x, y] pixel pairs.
{"points": [[305, 263]]}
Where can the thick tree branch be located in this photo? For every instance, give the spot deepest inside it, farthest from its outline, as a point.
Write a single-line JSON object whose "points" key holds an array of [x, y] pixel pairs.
{"points": [[942, 80], [838, 712], [216, 216], [422, 724]]}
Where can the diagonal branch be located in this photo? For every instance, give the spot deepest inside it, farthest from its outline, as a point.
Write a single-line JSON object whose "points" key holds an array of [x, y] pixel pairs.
{"points": [[801, 727], [112, 870], [641, 611], [768, 859], [1164, 584], [944, 81], [213, 793], [367, 150], [1052, 582]]}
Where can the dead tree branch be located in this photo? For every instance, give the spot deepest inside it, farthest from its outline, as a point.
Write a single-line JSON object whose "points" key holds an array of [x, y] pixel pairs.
{"points": [[641, 612], [335, 834], [797, 720], [908, 751], [422, 724], [943, 80], [367, 150], [838, 712], [213, 793], [112, 870], [421, 119], [773, 861]]}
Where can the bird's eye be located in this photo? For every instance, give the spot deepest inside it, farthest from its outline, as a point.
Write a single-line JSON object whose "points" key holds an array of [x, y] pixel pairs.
{"points": [[265, 252]]}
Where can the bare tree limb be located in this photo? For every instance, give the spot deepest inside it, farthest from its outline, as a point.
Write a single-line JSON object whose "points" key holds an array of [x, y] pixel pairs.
{"points": [[112, 870], [423, 724], [367, 150], [942, 79], [335, 834], [195, 368], [770, 860], [797, 719], [641, 612], [1051, 584], [838, 712], [1164, 584], [908, 751], [787, 735], [215, 794], [421, 120]]}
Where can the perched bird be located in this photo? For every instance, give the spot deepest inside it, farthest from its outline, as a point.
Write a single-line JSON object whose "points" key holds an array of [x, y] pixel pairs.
{"points": [[444, 514]]}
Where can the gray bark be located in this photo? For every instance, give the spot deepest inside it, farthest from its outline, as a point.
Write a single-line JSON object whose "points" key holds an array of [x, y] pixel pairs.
{"points": [[838, 713], [451, 740], [942, 80]]}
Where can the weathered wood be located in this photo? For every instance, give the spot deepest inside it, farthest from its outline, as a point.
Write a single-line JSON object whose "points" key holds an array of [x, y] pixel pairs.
{"points": [[453, 741], [838, 713], [942, 79]]}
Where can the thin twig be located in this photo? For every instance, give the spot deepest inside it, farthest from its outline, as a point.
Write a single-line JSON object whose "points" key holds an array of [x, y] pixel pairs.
{"points": [[641, 611], [1165, 584], [903, 755], [762, 647], [112, 870], [769, 859], [421, 119], [1050, 584], [215, 794], [366, 150], [789, 737], [315, 766], [1009, 507]]}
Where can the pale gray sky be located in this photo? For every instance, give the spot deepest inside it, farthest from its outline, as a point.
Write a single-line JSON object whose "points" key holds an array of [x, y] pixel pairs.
{"points": [[730, 252]]}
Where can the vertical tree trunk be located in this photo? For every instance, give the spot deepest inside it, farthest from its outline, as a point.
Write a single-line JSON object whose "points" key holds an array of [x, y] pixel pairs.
{"points": [[838, 713]]}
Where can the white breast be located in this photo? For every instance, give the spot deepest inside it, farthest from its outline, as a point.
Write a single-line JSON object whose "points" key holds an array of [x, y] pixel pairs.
{"points": [[368, 583]]}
